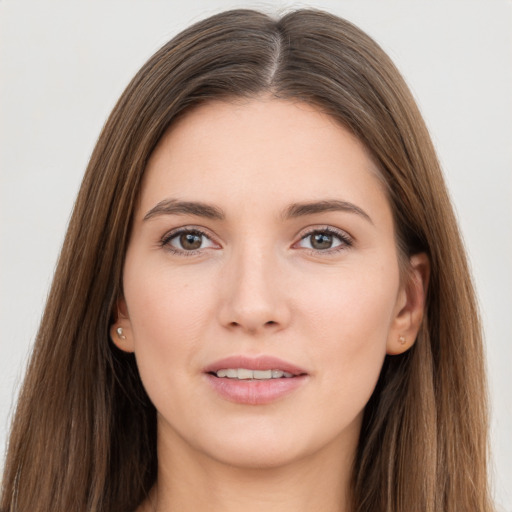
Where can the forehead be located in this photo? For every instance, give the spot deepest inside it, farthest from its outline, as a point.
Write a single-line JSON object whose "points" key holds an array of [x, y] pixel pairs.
{"points": [[261, 150]]}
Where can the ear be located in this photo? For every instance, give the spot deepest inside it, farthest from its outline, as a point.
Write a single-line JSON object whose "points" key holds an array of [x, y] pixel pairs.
{"points": [[410, 306], [121, 332]]}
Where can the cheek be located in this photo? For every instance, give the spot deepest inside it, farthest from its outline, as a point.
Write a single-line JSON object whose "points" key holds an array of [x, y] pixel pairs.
{"points": [[168, 312], [349, 319], [350, 304], [161, 300]]}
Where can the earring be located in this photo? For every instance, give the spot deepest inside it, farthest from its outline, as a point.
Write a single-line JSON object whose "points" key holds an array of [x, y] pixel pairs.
{"points": [[120, 333], [402, 340]]}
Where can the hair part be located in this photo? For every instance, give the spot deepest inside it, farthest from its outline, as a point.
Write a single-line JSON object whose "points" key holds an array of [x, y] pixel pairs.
{"points": [[84, 434]]}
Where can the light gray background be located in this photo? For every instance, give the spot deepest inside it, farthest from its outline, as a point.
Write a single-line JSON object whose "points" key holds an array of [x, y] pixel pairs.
{"points": [[64, 64]]}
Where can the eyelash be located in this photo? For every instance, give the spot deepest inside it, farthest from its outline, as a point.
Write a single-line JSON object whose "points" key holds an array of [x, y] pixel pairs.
{"points": [[165, 242], [344, 238]]}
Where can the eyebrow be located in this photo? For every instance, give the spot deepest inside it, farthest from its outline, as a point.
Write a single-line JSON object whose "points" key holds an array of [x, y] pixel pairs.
{"points": [[175, 207], [334, 205], [199, 209]]}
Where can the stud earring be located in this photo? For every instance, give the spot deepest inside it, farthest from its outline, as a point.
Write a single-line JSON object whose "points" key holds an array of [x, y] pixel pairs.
{"points": [[120, 333], [402, 340]]}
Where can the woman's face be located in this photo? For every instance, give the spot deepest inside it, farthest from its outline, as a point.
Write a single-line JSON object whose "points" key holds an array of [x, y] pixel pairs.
{"points": [[261, 284]]}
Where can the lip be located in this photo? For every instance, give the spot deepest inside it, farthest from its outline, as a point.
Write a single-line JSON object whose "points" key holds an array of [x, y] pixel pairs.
{"points": [[255, 363], [255, 392]]}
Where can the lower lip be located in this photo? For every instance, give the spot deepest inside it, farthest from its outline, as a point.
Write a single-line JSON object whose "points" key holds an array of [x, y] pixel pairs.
{"points": [[255, 392]]}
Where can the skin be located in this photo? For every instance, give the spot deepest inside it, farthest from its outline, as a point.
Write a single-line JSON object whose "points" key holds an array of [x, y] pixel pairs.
{"points": [[259, 284]]}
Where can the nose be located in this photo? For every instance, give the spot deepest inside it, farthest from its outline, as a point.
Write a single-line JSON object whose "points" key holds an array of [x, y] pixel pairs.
{"points": [[254, 298]]}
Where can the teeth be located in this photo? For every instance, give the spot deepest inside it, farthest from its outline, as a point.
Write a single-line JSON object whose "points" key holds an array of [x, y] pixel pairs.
{"points": [[262, 374], [245, 374]]}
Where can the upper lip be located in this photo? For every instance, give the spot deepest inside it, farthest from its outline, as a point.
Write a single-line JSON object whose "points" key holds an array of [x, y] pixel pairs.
{"points": [[254, 363]]}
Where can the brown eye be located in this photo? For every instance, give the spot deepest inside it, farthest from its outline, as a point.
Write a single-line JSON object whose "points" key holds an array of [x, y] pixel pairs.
{"points": [[187, 241], [191, 241], [321, 241], [325, 240]]}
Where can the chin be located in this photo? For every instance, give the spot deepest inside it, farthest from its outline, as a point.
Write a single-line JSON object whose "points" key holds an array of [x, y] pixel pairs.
{"points": [[266, 447], [251, 457]]}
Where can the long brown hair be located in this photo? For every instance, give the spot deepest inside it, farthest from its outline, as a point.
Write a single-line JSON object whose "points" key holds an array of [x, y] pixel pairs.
{"points": [[84, 433]]}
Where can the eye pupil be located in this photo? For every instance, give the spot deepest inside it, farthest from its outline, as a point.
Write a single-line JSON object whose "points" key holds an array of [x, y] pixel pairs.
{"points": [[191, 241], [321, 241]]}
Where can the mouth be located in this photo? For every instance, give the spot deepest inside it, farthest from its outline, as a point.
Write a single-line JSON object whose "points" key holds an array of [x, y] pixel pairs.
{"points": [[254, 381], [254, 368], [247, 374]]}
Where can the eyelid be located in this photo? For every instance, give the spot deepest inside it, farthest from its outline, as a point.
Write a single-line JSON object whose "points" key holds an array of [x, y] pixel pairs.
{"points": [[173, 233], [347, 241]]}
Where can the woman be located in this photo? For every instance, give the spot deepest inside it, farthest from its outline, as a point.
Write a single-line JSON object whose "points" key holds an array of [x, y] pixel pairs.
{"points": [[262, 299]]}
